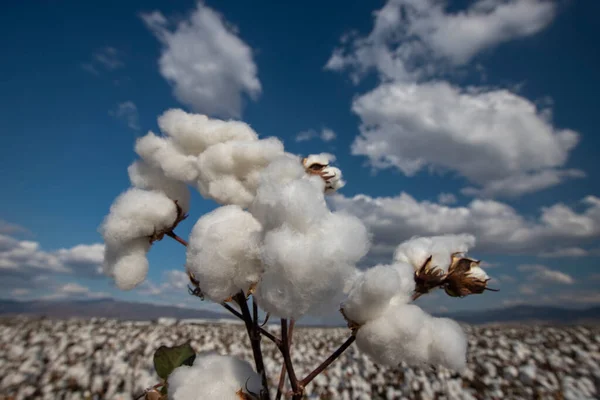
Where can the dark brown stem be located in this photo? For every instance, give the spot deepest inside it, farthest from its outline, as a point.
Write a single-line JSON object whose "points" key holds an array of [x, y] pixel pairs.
{"points": [[283, 368], [254, 334], [174, 236], [328, 361], [297, 389]]}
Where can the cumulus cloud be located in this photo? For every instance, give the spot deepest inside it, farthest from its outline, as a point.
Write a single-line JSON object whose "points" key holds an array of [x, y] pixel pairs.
{"points": [[326, 135], [494, 138], [24, 257], [416, 38], [498, 227], [73, 289], [541, 273], [128, 112], [447, 198], [565, 252], [205, 61], [8, 228]]}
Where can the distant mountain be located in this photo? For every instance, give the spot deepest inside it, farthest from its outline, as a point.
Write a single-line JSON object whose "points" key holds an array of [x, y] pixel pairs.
{"points": [[106, 308], [109, 308], [528, 314]]}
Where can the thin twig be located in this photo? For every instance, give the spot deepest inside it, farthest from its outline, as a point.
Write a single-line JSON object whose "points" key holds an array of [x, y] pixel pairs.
{"points": [[297, 389], [283, 368], [174, 236], [253, 333], [328, 361]]}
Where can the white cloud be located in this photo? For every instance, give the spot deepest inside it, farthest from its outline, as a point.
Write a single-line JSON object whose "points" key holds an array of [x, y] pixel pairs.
{"points": [[417, 38], [8, 228], [498, 227], [205, 61], [174, 282], [23, 257], [496, 139], [107, 58], [73, 289], [447, 198], [326, 135], [540, 273], [564, 252], [128, 112]]}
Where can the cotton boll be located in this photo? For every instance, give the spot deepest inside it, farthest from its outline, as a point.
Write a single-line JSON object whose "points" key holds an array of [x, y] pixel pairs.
{"points": [[320, 159], [347, 237], [239, 161], [333, 179], [415, 251], [371, 293], [223, 252], [407, 283], [194, 133], [213, 377], [449, 344], [137, 213], [144, 176], [162, 153], [298, 278], [130, 264], [401, 333]]}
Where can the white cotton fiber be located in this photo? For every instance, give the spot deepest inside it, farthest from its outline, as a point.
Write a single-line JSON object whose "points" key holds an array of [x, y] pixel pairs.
{"points": [[371, 293], [449, 344], [223, 252], [194, 133], [161, 152], [213, 377], [144, 176], [415, 251], [129, 264], [137, 213], [239, 162], [406, 333], [373, 290], [401, 333]]}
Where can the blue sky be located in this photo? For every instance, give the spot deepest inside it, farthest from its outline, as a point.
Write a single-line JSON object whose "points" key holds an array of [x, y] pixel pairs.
{"points": [[464, 116]]}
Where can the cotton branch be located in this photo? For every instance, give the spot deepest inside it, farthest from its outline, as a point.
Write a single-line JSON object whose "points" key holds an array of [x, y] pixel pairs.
{"points": [[297, 389]]}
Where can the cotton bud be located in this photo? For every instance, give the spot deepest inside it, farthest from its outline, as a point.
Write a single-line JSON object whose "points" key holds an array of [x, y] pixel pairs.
{"points": [[465, 277], [318, 164], [214, 377]]}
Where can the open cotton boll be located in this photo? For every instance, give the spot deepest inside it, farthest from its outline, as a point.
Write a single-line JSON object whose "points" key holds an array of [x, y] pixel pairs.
{"points": [[144, 176], [128, 265], [347, 238], [401, 333], [371, 293], [406, 274], [235, 161], [223, 252], [298, 277], [137, 213], [213, 377], [415, 251], [194, 133], [449, 344], [162, 153]]}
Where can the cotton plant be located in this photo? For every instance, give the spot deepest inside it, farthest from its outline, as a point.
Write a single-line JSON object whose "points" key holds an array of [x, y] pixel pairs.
{"points": [[273, 244]]}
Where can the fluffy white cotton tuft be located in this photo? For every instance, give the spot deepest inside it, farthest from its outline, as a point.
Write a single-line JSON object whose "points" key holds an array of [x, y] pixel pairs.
{"points": [[163, 153], [128, 265], [449, 344], [133, 218], [144, 176], [230, 172], [213, 376], [373, 290], [415, 251], [405, 333], [308, 252], [194, 133], [223, 252]]}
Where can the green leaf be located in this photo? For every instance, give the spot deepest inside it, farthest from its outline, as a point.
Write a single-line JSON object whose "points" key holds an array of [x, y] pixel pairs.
{"points": [[166, 359]]}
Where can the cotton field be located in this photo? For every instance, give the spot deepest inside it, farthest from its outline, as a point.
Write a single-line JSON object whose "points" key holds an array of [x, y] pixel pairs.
{"points": [[109, 359]]}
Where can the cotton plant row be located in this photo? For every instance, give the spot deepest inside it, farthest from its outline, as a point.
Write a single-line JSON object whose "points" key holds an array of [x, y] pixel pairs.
{"points": [[273, 239]]}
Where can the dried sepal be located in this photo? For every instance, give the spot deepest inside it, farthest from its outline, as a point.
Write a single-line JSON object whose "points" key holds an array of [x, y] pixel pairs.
{"points": [[465, 277], [153, 394], [158, 235], [332, 176], [428, 277], [352, 325]]}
